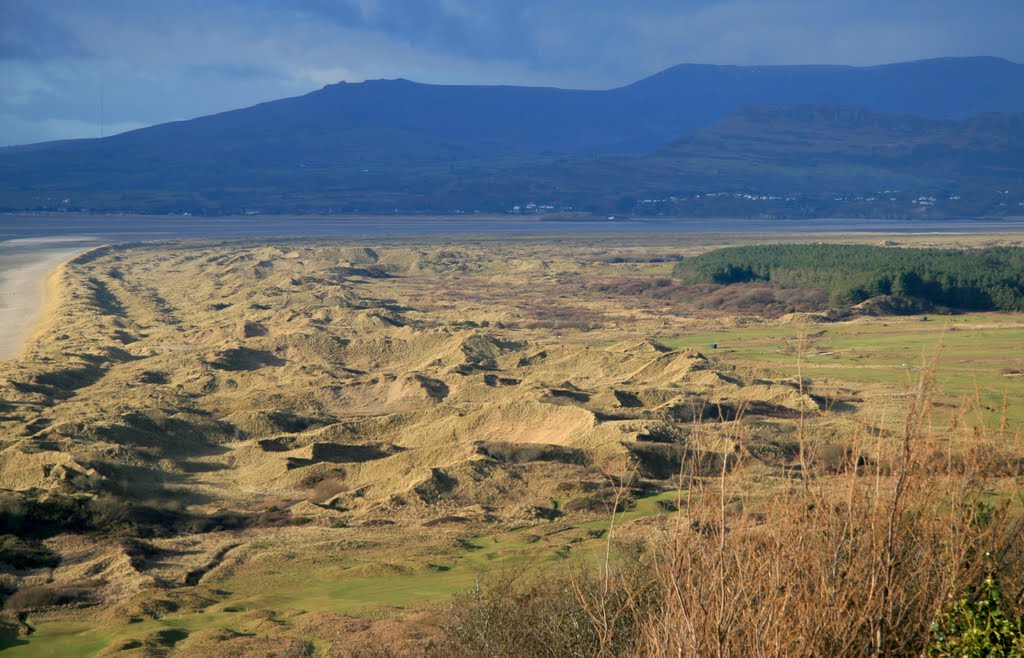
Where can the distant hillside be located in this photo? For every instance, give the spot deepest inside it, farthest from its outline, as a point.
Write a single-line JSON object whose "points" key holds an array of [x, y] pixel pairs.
{"points": [[796, 161], [851, 151], [836, 141], [382, 145]]}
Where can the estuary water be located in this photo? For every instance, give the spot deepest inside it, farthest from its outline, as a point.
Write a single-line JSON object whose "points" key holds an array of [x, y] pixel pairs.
{"points": [[121, 228]]}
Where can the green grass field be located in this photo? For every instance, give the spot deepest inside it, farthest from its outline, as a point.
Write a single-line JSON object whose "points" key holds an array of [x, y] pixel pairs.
{"points": [[978, 355]]}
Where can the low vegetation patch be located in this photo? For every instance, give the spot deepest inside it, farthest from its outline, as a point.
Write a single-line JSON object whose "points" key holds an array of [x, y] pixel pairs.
{"points": [[761, 298], [17, 553], [40, 598]]}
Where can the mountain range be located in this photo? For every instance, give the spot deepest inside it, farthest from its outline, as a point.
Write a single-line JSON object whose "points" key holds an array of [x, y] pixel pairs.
{"points": [[943, 136]]}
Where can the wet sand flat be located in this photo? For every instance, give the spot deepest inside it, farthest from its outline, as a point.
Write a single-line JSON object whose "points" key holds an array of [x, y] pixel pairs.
{"points": [[24, 268]]}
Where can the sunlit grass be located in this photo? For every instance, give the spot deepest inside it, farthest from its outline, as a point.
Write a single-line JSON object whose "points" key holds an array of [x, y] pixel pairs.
{"points": [[977, 354]]}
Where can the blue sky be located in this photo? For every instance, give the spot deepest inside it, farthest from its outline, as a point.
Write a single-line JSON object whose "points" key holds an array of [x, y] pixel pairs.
{"points": [[66, 63]]}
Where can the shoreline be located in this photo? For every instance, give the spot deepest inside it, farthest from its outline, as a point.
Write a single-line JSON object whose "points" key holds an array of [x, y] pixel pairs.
{"points": [[26, 268], [28, 265]]}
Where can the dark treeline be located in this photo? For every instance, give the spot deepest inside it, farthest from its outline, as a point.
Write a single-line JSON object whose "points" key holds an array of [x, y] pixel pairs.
{"points": [[982, 279]]}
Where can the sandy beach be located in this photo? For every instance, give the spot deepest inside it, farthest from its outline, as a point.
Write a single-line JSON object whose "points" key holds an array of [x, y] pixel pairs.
{"points": [[24, 267]]}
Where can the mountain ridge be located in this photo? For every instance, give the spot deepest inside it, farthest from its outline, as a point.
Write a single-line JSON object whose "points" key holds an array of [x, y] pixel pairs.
{"points": [[679, 75], [386, 144]]}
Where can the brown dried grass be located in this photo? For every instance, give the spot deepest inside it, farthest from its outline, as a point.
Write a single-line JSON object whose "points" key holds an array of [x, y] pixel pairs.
{"points": [[858, 560]]}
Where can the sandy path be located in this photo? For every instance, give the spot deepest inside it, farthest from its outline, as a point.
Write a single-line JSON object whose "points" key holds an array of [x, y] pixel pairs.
{"points": [[24, 268]]}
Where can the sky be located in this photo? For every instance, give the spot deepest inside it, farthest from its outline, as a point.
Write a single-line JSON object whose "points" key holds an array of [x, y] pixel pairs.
{"points": [[86, 68]]}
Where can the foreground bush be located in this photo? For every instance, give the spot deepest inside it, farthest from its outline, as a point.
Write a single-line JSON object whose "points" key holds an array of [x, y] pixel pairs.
{"points": [[573, 614], [978, 625], [866, 562]]}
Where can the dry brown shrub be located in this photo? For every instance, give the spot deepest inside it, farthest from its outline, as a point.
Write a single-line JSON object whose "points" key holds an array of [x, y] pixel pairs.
{"points": [[762, 299], [844, 561], [41, 598]]}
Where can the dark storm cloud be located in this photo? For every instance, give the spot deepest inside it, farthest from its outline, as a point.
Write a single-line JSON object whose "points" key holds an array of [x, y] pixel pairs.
{"points": [[475, 29], [60, 60], [27, 32]]}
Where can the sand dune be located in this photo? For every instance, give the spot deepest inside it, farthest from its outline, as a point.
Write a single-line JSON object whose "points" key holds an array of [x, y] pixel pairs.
{"points": [[228, 418]]}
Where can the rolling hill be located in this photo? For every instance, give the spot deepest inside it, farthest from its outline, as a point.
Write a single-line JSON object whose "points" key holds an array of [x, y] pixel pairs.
{"points": [[393, 144], [804, 160]]}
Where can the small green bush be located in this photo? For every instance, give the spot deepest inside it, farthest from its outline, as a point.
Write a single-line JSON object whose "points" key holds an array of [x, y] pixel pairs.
{"points": [[978, 626]]}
